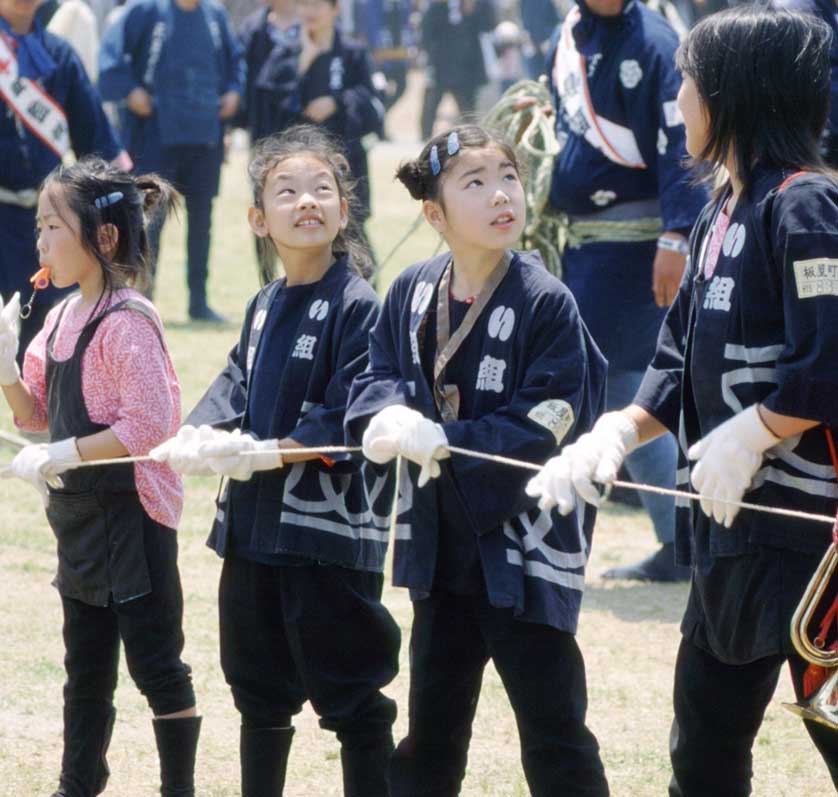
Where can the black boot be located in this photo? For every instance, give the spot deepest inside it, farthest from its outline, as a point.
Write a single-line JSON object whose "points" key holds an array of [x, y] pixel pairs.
{"points": [[366, 764], [660, 566], [177, 744], [264, 759], [87, 735]]}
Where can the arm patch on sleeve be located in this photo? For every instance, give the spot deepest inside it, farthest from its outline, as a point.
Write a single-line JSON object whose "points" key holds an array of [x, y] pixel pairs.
{"points": [[816, 277], [555, 415]]}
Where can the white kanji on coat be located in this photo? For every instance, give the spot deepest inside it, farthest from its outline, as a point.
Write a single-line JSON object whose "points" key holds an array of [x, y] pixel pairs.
{"points": [[490, 374], [630, 73], [304, 347], [663, 142], [718, 294], [414, 347], [421, 297]]}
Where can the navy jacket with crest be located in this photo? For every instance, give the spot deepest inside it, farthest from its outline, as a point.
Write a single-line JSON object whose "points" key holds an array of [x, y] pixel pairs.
{"points": [[539, 383], [308, 509], [762, 329]]}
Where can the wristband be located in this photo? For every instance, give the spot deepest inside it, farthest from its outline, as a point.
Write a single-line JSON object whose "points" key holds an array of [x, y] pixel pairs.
{"points": [[678, 245]]}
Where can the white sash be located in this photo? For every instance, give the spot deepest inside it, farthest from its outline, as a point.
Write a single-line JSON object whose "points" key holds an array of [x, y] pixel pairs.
{"points": [[31, 104], [616, 142]]}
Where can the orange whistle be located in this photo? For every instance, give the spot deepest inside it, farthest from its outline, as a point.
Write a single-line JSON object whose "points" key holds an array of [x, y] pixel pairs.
{"points": [[40, 280]]}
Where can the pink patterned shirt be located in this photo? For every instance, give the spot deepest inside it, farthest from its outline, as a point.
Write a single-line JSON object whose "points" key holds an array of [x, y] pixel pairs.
{"points": [[129, 384]]}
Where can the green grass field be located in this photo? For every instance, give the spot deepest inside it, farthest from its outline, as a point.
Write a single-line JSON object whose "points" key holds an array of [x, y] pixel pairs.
{"points": [[628, 632]]}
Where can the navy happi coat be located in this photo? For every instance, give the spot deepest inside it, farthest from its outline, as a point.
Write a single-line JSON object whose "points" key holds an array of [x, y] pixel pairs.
{"points": [[311, 509], [539, 382]]}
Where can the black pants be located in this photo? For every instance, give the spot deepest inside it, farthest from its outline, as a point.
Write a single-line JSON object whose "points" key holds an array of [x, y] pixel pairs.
{"points": [[543, 672], [194, 171], [718, 710], [314, 632], [465, 96], [151, 629]]}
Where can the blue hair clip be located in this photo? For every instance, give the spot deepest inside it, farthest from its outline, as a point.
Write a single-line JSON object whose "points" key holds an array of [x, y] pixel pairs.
{"points": [[106, 201], [436, 168], [453, 143]]}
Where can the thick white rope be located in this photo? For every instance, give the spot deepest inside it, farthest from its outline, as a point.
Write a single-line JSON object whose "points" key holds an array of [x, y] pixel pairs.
{"points": [[500, 460]]}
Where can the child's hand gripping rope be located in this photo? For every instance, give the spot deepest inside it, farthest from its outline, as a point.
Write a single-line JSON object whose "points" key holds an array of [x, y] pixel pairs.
{"points": [[595, 457], [41, 465], [400, 431]]}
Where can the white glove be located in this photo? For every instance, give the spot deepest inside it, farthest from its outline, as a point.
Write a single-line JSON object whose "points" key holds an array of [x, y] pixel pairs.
{"points": [[9, 324], [399, 430], [239, 456], [595, 457], [728, 458], [181, 452], [41, 464]]}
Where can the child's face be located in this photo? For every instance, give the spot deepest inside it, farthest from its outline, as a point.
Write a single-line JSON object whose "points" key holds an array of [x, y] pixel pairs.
{"points": [[483, 204], [696, 120], [301, 206], [59, 242], [317, 16]]}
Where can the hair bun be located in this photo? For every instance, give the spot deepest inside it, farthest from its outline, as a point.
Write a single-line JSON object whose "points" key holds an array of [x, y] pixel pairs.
{"points": [[410, 175]]}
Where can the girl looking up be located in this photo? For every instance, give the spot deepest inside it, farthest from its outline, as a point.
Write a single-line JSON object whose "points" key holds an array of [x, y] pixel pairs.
{"points": [[482, 348], [745, 374], [303, 544], [98, 376]]}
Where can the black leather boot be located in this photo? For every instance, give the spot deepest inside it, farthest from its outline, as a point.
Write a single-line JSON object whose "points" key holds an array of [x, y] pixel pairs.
{"points": [[87, 735], [366, 764], [264, 760], [177, 744]]}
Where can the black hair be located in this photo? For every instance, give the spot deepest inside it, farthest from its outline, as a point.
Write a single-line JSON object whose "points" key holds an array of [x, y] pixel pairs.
{"points": [[309, 140], [418, 176], [98, 194], [763, 78]]}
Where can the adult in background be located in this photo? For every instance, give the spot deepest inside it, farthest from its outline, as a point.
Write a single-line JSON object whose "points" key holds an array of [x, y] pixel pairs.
{"points": [[323, 78], [450, 35], [539, 18], [179, 70], [35, 133], [614, 83], [272, 25]]}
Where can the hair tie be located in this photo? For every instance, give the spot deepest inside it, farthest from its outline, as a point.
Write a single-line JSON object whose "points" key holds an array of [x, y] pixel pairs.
{"points": [[106, 201], [453, 143], [436, 167]]}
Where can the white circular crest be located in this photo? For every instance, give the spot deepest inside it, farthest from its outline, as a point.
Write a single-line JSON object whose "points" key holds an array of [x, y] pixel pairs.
{"points": [[318, 310], [734, 240], [501, 322], [602, 197], [421, 297], [630, 73]]}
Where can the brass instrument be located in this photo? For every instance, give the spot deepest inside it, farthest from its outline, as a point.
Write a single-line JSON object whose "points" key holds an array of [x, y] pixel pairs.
{"points": [[822, 706]]}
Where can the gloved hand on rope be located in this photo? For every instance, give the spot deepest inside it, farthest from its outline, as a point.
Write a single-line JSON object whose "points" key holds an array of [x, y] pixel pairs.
{"points": [[9, 325], [727, 460], [238, 456], [41, 465], [595, 457], [182, 453], [400, 431]]}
